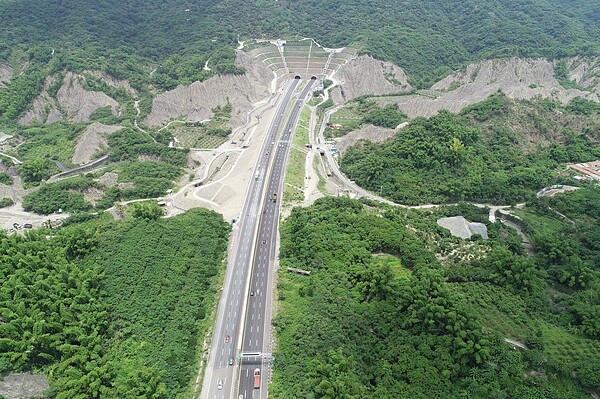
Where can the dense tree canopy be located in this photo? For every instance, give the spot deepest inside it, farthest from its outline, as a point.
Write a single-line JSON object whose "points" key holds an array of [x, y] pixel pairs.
{"points": [[424, 37], [482, 154], [110, 309], [379, 317]]}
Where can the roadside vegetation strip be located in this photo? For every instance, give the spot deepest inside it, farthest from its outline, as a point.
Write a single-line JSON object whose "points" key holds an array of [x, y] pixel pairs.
{"points": [[301, 134], [294, 177], [318, 167], [293, 189]]}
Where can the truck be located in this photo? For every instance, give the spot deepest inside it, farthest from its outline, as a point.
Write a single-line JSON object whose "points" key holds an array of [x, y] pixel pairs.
{"points": [[274, 197], [256, 378]]}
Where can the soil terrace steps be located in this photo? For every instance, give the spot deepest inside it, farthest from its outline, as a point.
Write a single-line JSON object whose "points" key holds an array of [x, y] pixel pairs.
{"points": [[302, 57]]}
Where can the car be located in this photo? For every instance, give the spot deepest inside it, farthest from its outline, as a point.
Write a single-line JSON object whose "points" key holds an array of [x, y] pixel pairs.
{"points": [[227, 339], [220, 384], [28, 226], [231, 361], [251, 293]]}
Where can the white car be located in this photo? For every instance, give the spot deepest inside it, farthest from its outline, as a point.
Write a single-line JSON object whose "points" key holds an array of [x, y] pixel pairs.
{"points": [[220, 384]]}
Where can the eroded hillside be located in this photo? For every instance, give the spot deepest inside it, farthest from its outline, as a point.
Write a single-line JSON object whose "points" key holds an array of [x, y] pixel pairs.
{"points": [[517, 78], [195, 102], [71, 102]]}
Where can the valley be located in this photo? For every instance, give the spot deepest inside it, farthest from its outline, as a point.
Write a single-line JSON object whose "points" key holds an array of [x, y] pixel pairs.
{"points": [[255, 200]]}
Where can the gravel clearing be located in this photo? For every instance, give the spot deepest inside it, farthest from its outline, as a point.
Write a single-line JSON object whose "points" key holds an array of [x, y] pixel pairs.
{"points": [[23, 386]]}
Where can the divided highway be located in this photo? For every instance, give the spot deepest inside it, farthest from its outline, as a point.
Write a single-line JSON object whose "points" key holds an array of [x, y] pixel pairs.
{"points": [[225, 368], [258, 311]]}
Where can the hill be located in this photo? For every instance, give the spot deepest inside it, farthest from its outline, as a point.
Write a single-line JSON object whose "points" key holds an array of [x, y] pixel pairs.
{"points": [[497, 151], [173, 38], [396, 308]]}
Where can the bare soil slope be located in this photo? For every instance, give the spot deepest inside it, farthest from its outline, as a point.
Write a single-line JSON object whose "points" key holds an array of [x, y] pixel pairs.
{"points": [[91, 141], [586, 72], [114, 82], [195, 102], [72, 102], [368, 132], [366, 75], [6, 74], [517, 78]]}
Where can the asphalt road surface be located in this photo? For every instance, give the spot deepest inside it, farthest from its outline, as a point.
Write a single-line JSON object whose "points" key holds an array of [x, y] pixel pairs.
{"points": [[257, 320], [223, 369]]}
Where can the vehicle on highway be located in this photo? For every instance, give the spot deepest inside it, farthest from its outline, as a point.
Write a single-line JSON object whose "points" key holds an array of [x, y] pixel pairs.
{"points": [[220, 384], [274, 197], [256, 378], [251, 293], [227, 338], [230, 361]]}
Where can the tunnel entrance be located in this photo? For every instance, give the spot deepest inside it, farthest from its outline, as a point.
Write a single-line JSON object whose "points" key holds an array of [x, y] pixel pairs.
{"points": [[313, 77], [297, 77]]}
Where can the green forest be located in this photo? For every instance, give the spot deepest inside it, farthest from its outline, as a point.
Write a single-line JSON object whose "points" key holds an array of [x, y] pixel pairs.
{"points": [[499, 151], [111, 309], [395, 307], [146, 179], [129, 39]]}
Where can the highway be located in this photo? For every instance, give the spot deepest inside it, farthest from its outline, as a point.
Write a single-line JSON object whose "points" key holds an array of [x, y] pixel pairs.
{"points": [[223, 369], [257, 321]]}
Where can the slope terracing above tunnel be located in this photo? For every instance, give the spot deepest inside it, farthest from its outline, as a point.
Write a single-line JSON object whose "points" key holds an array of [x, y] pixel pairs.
{"points": [[300, 57]]}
